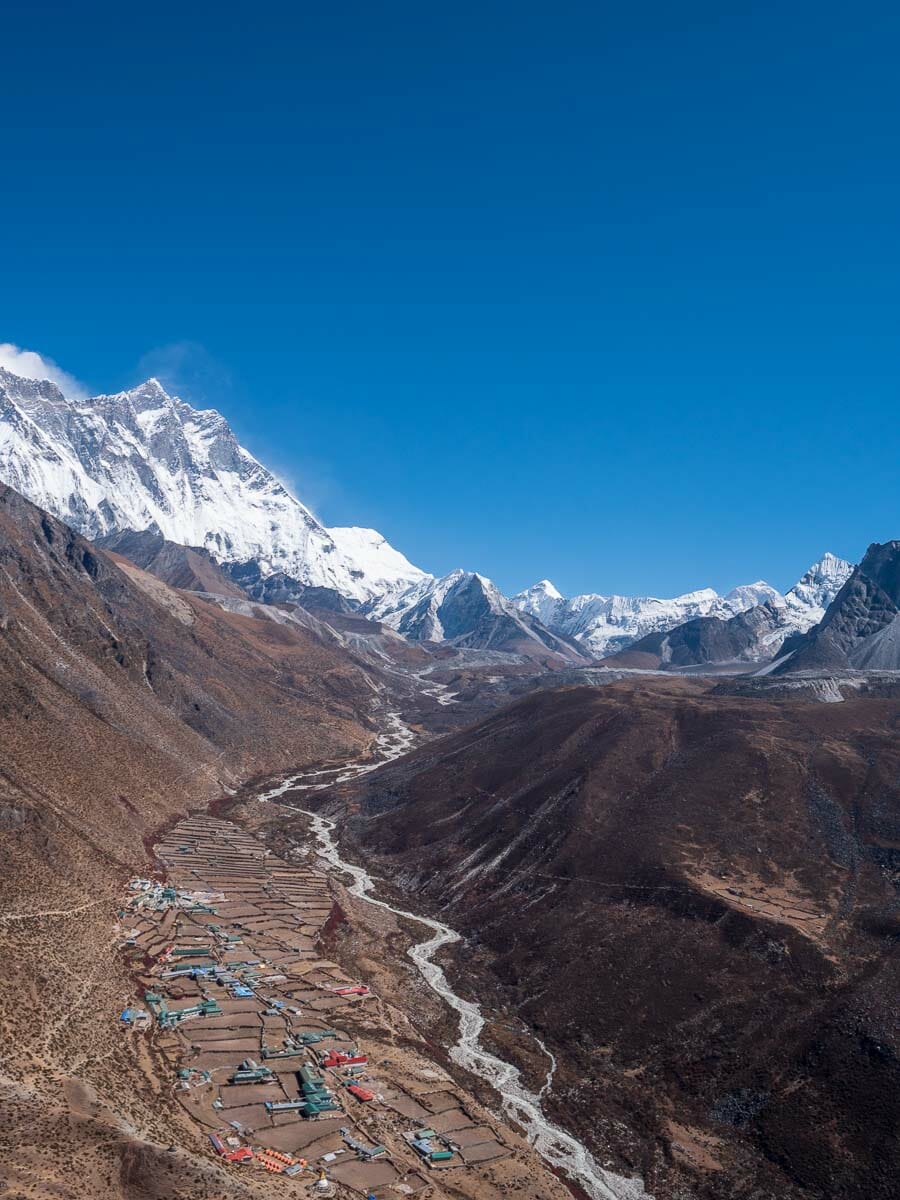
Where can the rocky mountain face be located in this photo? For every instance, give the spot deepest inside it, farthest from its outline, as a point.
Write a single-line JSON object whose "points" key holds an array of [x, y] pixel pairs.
{"points": [[810, 596], [145, 460], [692, 898], [280, 588], [605, 624], [465, 610], [104, 663], [190, 568], [747, 625], [861, 627], [749, 637]]}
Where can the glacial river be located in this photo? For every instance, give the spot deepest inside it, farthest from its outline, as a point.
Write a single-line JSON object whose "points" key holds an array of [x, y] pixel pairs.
{"points": [[519, 1103]]}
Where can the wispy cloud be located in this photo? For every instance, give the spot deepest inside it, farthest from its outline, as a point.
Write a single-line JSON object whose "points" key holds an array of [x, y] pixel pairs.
{"points": [[310, 480], [28, 364], [188, 370]]}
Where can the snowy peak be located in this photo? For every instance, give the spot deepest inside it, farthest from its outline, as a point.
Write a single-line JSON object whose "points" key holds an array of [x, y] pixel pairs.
{"points": [[385, 569], [145, 460], [811, 595], [748, 595], [755, 632], [30, 394], [861, 627], [544, 589], [604, 624], [468, 611], [541, 601], [148, 395], [608, 624]]}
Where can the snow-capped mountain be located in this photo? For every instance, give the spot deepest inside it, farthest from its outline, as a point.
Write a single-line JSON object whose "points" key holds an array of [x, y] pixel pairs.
{"points": [[607, 624], [754, 635], [861, 628], [142, 459], [811, 595], [543, 601], [466, 610]]}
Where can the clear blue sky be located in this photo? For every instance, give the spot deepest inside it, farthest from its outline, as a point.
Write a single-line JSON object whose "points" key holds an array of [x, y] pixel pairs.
{"points": [[605, 293]]}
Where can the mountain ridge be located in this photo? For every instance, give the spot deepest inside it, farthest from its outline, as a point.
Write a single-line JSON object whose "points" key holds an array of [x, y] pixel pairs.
{"points": [[144, 460], [860, 629], [607, 625], [692, 898], [466, 610]]}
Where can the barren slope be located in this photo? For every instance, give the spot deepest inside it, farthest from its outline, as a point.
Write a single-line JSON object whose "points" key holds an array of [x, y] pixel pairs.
{"points": [[694, 900], [122, 703], [188, 567]]}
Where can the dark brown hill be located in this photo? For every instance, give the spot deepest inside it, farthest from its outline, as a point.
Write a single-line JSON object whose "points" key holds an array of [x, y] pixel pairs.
{"points": [[695, 900]]}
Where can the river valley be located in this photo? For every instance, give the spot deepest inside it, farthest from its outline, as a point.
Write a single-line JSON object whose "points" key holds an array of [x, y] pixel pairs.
{"points": [[519, 1104]]}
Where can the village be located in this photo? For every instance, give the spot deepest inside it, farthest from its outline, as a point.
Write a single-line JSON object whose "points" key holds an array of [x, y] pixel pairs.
{"points": [[257, 1028]]}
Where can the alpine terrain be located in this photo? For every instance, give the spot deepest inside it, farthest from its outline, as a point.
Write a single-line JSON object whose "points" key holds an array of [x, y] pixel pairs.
{"points": [[142, 461], [861, 627], [607, 624], [753, 635], [328, 875], [692, 898], [145, 460]]}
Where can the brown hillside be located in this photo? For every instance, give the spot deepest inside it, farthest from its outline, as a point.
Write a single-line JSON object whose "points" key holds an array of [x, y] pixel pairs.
{"points": [[695, 900], [122, 704]]}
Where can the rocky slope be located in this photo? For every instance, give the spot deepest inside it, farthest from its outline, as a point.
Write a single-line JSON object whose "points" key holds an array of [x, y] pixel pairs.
{"points": [[693, 898], [189, 568], [145, 460], [861, 628], [122, 703], [749, 637]]}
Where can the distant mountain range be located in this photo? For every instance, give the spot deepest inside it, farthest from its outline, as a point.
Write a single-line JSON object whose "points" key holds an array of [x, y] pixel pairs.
{"points": [[142, 464], [606, 624], [752, 635], [468, 611]]}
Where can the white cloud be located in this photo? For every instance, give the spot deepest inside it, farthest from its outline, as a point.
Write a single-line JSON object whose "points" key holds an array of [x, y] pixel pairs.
{"points": [[28, 364]]}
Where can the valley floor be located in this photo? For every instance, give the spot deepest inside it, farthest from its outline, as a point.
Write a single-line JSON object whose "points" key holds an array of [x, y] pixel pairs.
{"points": [[218, 959], [237, 932]]}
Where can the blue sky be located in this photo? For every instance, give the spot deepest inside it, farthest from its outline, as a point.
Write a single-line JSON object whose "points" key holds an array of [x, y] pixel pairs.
{"points": [[605, 293]]}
